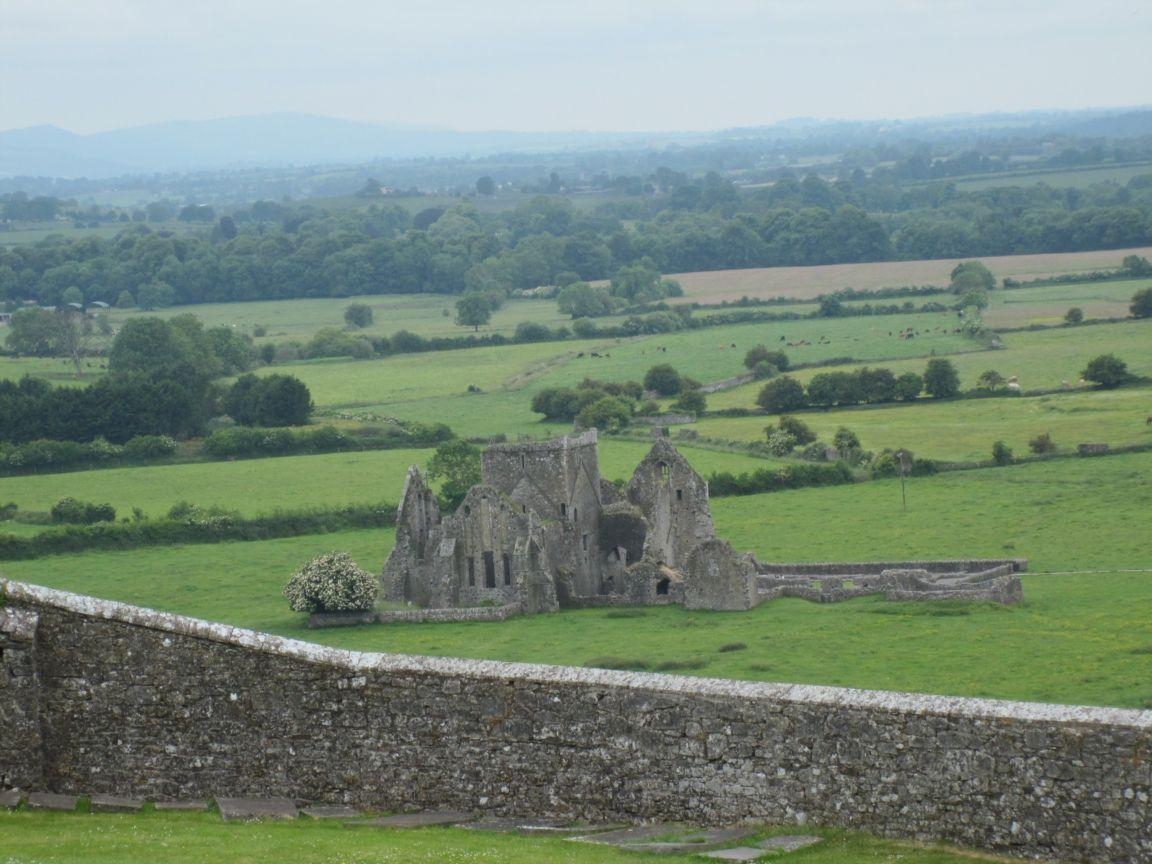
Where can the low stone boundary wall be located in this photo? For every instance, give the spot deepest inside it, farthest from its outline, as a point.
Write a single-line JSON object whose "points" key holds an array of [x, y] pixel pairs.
{"points": [[847, 570], [132, 702], [408, 616]]}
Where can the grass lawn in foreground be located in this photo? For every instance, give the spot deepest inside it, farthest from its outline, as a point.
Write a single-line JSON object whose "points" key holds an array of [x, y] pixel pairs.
{"points": [[193, 838]]}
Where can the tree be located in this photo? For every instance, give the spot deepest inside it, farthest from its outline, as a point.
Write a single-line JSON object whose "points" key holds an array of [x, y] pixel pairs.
{"points": [[780, 443], [762, 354], [581, 300], [457, 464], [274, 400], [845, 442], [941, 379], [1141, 306], [1107, 370], [663, 379], [45, 333], [795, 427], [1136, 266], [968, 275], [1074, 316], [781, 395], [1001, 453], [691, 401], [358, 315], [609, 414], [472, 310], [990, 379], [125, 300], [907, 387], [155, 295], [486, 186]]}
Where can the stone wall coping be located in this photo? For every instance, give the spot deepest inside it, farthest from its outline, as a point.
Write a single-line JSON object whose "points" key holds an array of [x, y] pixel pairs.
{"points": [[565, 442], [674, 685]]}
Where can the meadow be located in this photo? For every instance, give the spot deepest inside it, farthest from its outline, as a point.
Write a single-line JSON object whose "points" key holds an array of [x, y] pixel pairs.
{"points": [[809, 282], [192, 838], [1080, 637], [1071, 178], [259, 486]]}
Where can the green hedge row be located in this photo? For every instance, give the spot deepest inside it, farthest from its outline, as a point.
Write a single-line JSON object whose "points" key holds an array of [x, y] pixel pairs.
{"points": [[779, 479], [199, 528]]}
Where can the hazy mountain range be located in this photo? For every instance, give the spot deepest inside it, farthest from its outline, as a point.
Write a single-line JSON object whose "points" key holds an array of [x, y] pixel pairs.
{"points": [[304, 139]]}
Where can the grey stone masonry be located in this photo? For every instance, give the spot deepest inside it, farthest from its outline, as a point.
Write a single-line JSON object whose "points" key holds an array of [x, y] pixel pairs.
{"points": [[20, 765], [138, 703]]}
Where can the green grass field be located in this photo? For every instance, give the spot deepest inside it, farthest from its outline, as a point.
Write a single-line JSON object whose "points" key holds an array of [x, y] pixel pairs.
{"points": [[193, 838], [1046, 304], [1074, 178], [965, 430], [1079, 638], [256, 486]]}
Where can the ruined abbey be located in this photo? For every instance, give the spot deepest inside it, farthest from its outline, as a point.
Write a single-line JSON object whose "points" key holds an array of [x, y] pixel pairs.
{"points": [[543, 531]]}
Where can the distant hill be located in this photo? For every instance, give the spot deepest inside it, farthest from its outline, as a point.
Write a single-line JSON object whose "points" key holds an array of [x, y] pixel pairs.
{"points": [[274, 140], [264, 140]]}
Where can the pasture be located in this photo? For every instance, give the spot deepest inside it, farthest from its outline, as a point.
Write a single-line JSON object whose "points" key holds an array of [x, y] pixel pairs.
{"points": [[1069, 178], [1078, 638], [809, 282], [964, 431], [260, 486]]}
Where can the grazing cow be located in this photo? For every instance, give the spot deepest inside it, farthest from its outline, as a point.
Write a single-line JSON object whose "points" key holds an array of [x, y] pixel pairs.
{"points": [[1148, 422], [581, 354]]}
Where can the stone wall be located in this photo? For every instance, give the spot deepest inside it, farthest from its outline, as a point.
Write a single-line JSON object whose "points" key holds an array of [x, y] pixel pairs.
{"points": [[20, 764], [143, 703]]}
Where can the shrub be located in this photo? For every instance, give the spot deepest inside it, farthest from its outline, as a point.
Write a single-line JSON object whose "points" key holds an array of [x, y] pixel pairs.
{"points": [[609, 414], [691, 401], [358, 315], [1042, 444], [762, 354], [70, 511], [331, 583], [780, 443], [1107, 370], [907, 387], [797, 428], [1141, 306], [1001, 453], [1075, 315], [149, 447]]}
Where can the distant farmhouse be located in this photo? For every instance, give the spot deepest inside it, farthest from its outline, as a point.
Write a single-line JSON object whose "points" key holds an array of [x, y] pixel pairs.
{"points": [[543, 530]]}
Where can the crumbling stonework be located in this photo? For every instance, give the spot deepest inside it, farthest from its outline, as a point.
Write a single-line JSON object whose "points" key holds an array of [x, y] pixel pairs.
{"points": [[545, 530], [20, 765], [138, 703]]}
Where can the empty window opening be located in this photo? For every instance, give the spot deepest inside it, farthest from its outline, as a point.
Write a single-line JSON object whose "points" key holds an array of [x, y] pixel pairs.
{"points": [[489, 570], [467, 510], [584, 541], [664, 470], [679, 494], [616, 552], [563, 510], [471, 571], [662, 586], [507, 569], [575, 515]]}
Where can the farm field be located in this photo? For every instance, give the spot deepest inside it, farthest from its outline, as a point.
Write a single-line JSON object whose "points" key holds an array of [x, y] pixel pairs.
{"points": [[192, 838], [808, 282], [259, 486], [1079, 637], [1072, 178], [1046, 304], [1041, 359], [964, 431]]}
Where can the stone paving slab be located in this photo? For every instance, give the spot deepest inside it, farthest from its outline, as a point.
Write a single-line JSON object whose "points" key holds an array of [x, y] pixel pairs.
{"points": [[193, 806], [669, 839], [52, 801], [256, 808], [114, 804], [10, 798], [789, 842], [538, 827], [740, 853], [413, 820], [331, 811]]}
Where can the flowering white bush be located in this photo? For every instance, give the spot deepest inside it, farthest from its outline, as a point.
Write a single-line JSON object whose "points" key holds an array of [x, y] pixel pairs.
{"points": [[331, 583]]}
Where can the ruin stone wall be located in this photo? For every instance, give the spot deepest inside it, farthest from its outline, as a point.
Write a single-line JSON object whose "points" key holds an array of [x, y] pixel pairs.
{"points": [[136, 702]]}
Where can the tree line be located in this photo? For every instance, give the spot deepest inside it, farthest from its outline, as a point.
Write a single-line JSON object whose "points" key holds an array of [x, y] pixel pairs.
{"points": [[278, 251]]}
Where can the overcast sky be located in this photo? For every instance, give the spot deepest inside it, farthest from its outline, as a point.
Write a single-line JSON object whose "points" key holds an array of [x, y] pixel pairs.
{"points": [[91, 65]]}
